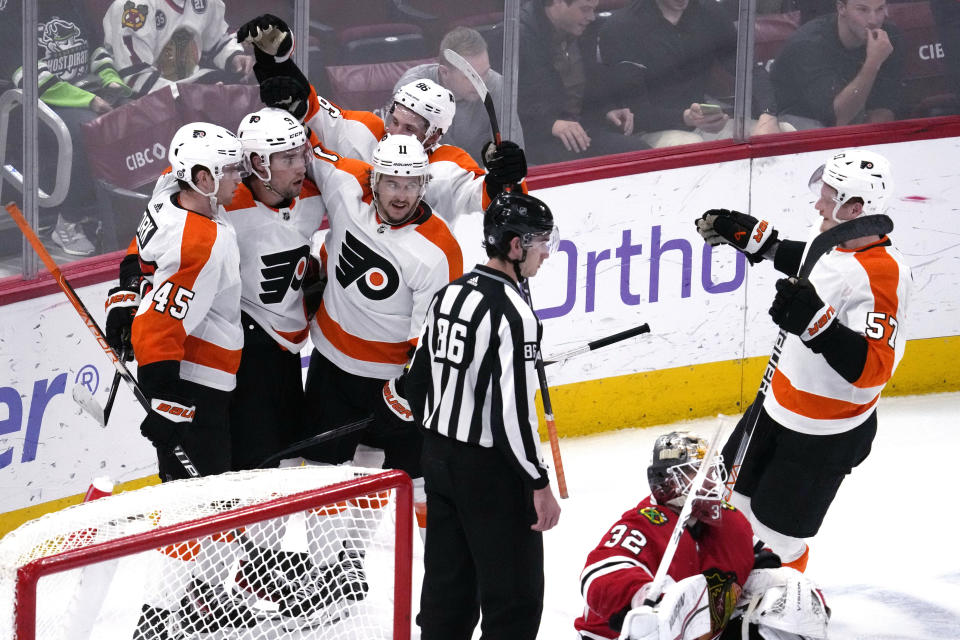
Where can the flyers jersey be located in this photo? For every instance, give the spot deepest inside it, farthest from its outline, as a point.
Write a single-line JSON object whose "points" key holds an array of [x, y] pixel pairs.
{"points": [[628, 555], [140, 36], [274, 252], [869, 290], [456, 181], [380, 278], [192, 313]]}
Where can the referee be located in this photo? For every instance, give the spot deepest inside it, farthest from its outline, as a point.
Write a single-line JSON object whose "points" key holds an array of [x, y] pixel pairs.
{"points": [[471, 386]]}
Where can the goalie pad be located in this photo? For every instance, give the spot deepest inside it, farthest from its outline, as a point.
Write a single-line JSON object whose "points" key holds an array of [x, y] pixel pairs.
{"points": [[784, 600], [694, 607]]}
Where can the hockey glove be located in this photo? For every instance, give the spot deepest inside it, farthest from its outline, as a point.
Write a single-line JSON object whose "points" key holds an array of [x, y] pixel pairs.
{"points": [[121, 307], [744, 233], [798, 309], [287, 93], [314, 283], [394, 399], [698, 606], [165, 423], [506, 164], [269, 34]]}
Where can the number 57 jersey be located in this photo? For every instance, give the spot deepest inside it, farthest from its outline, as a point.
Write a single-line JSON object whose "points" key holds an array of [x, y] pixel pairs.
{"points": [[192, 314]]}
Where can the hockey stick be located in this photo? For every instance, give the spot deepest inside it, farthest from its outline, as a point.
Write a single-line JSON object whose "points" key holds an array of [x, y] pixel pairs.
{"points": [[599, 343], [547, 406], [107, 408], [656, 585], [83, 397], [872, 225], [88, 320], [480, 86], [320, 438]]}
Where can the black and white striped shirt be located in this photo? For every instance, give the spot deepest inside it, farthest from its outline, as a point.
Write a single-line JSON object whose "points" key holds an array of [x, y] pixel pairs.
{"points": [[473, 376]]}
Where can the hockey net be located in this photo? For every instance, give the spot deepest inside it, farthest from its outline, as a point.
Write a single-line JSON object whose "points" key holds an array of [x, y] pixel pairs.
{"points": [[305, 552]]}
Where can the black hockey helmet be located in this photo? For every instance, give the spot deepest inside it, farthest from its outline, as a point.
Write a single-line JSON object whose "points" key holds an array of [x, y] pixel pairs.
{"points": [[515, 214], [676, 458]]}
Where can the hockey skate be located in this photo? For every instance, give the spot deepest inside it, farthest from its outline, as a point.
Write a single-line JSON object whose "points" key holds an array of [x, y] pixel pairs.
{"points": [[208, 608], [154, 624], [295, 588]]}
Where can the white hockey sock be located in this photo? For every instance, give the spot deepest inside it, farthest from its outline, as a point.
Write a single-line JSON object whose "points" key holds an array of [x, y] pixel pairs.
{"points": [[787, 547]]}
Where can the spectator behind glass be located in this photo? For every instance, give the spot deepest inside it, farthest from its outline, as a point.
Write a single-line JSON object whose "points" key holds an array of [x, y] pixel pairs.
{"points": [[676, 44], [159, 42], [78, 81], [565, 96], [471, 125], [839, 69]]}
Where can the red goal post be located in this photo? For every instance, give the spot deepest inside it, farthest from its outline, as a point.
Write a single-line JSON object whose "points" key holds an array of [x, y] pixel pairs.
{"points": [[369, 515]]}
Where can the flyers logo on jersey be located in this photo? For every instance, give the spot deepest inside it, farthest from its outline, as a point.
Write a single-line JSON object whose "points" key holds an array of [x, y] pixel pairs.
{"points": [[376, 277], [654, 515], [281, 272], [134, 15]]}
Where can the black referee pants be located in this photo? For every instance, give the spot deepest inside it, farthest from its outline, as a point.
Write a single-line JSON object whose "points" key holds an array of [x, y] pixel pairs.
{"points": [[480, 551]]}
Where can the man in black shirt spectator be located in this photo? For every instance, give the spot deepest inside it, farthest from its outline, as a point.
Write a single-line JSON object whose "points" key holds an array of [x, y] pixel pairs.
{"points": [[839, 69], [471, 386], [565, 96], [674, 45]]}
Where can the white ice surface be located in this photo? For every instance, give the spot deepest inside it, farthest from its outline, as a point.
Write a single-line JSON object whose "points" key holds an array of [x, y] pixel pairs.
{"points": [[883, 557]]}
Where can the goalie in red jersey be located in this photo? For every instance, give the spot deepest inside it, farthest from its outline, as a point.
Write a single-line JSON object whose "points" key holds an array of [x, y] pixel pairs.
{"points": [[718, 577]]}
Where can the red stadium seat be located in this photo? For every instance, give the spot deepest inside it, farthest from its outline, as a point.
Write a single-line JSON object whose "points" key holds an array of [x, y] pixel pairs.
{"points": [[771, 32], [927, 82], [367, 86], [381, 43]]}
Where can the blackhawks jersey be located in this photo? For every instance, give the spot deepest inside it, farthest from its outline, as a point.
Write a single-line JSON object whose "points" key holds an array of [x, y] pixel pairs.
{"points": [[868, 290], [274, 253], [628, 555], [380, 278], [158, 42], [192, 313]]}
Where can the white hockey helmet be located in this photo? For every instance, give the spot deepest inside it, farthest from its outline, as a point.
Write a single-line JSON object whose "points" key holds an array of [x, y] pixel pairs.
{"points": [[400, 155], [677, 457], [208, 145], [430, 101], [268, 131], [856, 173]]}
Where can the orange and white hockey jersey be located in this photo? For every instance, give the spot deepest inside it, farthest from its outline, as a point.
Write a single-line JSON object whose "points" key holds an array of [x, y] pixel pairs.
{"points": [[380, 278], [456, 181], [138, 34], [192, 313], [274, 252], [869, 288]]}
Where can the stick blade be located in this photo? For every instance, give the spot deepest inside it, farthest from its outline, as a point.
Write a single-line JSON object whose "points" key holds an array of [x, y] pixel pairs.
{"points": [[467, 69], [83, 397]]}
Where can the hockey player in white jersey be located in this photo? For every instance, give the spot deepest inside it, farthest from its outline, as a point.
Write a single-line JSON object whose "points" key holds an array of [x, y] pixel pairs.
{"points": [[846, 335], [156, 43], [421, 108], [386, 255]]}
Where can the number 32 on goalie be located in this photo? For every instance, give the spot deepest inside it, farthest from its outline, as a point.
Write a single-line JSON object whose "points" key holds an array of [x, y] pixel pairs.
{"points": [[882, 325], [634, 542], [178, 305]]}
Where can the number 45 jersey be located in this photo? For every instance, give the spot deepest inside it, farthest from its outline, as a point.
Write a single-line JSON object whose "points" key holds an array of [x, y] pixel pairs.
{"points": [[192, 314]]}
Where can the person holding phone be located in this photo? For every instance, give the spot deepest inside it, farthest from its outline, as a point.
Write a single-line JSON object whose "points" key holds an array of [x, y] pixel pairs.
{"points": [[672, 46]]}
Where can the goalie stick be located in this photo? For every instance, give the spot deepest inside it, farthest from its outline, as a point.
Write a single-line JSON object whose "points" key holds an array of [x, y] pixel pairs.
{"points": [[88, 320], [870, 225], [599, 343], [547, 406], [320, 438]]}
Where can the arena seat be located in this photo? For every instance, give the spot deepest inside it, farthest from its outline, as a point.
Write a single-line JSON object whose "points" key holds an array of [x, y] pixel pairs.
{"points": [[928, 86], [367, 86], [771, 31], [381, 43]]}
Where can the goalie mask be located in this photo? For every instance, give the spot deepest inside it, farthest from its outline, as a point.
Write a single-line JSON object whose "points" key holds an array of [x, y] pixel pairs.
{"points": [[855, 173], [209, 146], [269, 131], [430, 101], [399, 156], [676, 458]]}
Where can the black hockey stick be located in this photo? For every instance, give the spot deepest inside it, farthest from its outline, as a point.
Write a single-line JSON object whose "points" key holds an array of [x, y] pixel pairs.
{"points": [[547, 405], [320, 438], [872, 225], [599, 343], [479, 85], [108, 407], [88, 320]]}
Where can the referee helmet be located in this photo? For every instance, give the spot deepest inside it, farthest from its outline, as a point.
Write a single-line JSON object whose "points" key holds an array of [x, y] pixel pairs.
{"points": [[515, 214]]}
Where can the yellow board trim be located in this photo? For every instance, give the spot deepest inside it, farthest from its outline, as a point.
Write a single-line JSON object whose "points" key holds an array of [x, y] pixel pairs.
{"points": [[930, 365]]}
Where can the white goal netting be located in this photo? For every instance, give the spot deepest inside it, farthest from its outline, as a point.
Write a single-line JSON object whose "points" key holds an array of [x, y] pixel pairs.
{"points": [[306, 552]]}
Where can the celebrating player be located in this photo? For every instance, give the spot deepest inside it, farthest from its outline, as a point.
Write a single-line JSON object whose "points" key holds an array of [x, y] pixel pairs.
{"points": [[421, 108], [713, 572], [847, 325]]}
